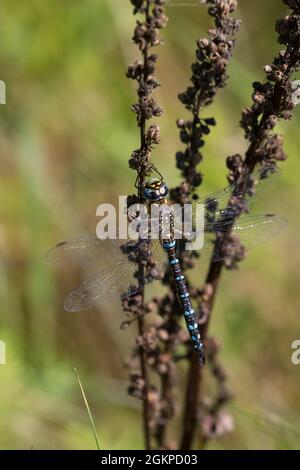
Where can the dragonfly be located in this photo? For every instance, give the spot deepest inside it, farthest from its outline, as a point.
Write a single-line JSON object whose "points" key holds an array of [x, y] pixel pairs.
{"points": [[116, 275]]}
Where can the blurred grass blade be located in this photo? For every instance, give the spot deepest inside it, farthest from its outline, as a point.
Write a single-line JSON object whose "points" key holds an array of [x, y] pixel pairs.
{"points": [[88, 409]]}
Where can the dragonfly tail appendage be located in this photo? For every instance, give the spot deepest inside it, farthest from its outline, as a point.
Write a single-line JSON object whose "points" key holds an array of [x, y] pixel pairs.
{"points": [[184, 296]]}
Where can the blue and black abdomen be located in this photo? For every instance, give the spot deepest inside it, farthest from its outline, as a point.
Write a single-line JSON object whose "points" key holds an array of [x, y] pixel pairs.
{"points": [[184, 296]]}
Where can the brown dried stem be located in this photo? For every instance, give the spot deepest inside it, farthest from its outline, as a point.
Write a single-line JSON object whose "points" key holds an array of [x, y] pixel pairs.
{"points": [[272, 100], [146, 35]]}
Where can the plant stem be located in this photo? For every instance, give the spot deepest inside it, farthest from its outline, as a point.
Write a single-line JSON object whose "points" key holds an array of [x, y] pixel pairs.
{"points": [[145, 376], [275, 104], [146, 35], [141, 319], [205, 83], [191, 405], [88, 409]]}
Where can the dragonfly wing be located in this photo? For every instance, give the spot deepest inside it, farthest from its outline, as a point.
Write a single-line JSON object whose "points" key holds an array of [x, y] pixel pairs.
{"points": [[159, 255], [107, 285], [215, 204], [87, 250], [256, 230], [250, 232], [205, 253], [91, 251], [113, 282]]}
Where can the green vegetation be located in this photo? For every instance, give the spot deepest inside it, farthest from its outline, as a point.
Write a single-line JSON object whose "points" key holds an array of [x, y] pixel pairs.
{"points": [[65, 136]]}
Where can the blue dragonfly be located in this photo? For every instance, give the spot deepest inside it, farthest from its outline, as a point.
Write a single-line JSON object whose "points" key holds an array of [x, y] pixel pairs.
{"points": [[116, 276]]}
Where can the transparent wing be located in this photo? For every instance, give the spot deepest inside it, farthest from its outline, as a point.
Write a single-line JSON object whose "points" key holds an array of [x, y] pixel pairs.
{"points": [[215, 204], [107, 285], [159, 255], [249, 232], [113, 282], [91, 251], [117, 276], [255, 183], [87, 250]]}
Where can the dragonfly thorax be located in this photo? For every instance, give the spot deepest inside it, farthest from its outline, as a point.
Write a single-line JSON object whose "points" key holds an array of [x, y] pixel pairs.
{"points": [[154, 190]]}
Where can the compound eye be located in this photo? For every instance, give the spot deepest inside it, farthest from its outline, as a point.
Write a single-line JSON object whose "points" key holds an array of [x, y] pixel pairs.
{"points": [[164, 190]]}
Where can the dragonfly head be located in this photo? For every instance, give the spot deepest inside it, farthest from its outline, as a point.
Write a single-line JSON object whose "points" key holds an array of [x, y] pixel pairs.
{"points": [[154, 190]]}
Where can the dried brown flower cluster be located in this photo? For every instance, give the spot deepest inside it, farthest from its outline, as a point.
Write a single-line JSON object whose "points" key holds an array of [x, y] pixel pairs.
{"points": [[146, 35], [163, 343], [209, 74], [272, 100], [162, 339]]}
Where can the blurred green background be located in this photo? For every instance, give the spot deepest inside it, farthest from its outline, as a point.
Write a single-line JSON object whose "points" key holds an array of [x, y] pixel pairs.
{"points": [[66, 134]]}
